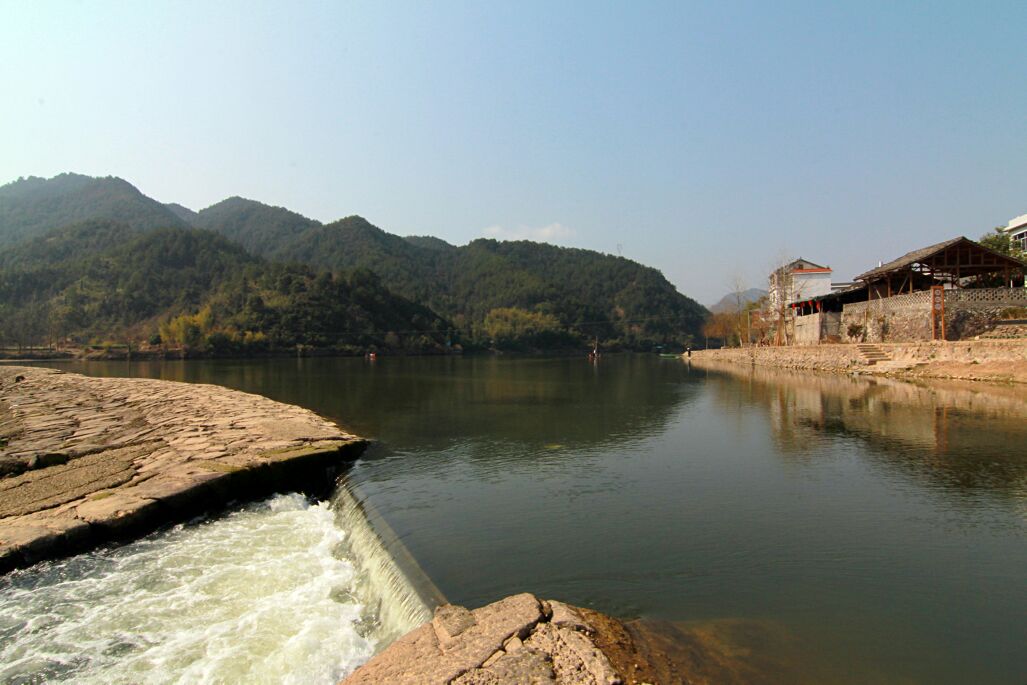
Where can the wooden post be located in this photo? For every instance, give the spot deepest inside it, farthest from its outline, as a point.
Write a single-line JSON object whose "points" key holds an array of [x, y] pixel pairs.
{"points": [[937, 312]]}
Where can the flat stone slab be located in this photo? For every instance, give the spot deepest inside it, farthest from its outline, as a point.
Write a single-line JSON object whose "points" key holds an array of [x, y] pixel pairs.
{"points": [[84, 460]]}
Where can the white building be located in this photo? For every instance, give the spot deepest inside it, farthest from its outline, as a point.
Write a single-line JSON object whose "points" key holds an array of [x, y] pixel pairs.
{"points": [[1017, 230], [799, 280]]}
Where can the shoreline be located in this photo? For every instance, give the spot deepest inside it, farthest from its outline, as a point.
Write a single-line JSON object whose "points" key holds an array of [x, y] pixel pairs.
{"points": [[89, 461], [993, 361]]}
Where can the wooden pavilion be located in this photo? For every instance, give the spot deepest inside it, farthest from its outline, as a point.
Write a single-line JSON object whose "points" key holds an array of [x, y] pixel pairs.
{"points": [[959, 263]]}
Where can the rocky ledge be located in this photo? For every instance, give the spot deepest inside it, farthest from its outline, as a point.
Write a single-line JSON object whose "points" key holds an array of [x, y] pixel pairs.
{"points": [[525, 640], [519, 639], [85, 461]]}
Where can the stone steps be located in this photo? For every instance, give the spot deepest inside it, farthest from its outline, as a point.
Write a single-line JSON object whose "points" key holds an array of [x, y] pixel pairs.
{"points": [[872, 354]]}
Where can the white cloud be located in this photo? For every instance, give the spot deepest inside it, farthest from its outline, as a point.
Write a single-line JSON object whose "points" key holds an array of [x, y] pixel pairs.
{"points": [[551, 233]]}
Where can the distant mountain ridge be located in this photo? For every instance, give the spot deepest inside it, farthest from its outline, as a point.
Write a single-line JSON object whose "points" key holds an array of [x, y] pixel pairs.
{"points": [[184, 213], [587, 293], [32, 206], [262, 229], [729, 303]]}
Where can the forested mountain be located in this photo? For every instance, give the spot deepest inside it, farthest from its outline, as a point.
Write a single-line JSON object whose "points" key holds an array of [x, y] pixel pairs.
{"points": [[113, 273], [32, 206], [260, 228], [106, 281], [591, 293], [407, 269]]}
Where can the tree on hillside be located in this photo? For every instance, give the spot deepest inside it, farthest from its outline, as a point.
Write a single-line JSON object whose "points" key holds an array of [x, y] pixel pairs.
{"points": [[513, 328]]}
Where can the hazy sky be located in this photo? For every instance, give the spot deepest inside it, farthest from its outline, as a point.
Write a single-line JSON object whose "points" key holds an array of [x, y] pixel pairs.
{"points": [[708, 140]]}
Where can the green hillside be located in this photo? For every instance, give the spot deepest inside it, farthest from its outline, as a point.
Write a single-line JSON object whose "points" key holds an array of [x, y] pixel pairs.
{"points": [[104, 281], [593, 294], [68, 244], [260, 228], [32, 206], [520, 294]]}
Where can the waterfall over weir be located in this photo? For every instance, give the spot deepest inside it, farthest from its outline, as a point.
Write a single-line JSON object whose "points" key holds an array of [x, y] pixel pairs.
{"points": [[395, 592], [279, 591]]}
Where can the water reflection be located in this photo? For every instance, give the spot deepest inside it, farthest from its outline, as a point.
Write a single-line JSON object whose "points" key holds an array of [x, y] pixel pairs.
{"points": [[435, 403], [960, 435], [880, 523]]}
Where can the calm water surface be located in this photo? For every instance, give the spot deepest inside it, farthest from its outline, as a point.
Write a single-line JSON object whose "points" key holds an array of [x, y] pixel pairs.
{"points": [[879, 528]]}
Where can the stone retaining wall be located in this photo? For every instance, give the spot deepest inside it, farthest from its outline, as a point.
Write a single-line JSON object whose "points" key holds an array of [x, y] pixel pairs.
{"points": [[1003, 360], [827, 357], [907, 318], [84, 461]]}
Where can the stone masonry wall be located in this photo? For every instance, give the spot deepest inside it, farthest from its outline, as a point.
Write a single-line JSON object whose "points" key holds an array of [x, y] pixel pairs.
{"points": [[1003, 360], [907, 318]]}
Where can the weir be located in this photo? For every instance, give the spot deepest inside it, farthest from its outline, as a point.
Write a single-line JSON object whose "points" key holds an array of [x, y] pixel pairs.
{"points": [[282, 590], [391, 585]]}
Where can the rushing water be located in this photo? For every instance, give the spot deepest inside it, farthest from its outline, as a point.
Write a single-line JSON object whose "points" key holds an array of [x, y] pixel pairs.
{"points": [[868, 530], [281, 591]]}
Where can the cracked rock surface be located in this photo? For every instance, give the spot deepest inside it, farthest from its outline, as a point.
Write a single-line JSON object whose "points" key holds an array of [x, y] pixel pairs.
{"points": [[87, 460], [519, 639]]}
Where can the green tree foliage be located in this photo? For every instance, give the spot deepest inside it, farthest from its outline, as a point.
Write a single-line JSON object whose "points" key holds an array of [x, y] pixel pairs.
{"points": [[104, 281], [68, 244], [512, 328], [189, 331], [91, 292], [1002, 242]]}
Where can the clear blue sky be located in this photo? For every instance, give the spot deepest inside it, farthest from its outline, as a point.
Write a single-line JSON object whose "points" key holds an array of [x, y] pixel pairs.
{"points": [[707, 140]]}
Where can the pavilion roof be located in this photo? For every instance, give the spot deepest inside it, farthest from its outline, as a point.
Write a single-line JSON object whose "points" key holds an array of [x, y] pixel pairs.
{"points": [[956, 256]]}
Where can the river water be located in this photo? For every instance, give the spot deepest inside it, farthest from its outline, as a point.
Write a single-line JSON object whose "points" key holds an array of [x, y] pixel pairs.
{"points": [[810, 528]]}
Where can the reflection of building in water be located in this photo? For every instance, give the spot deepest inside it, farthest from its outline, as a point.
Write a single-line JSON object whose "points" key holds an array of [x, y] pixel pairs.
{"points": [[966, 434]]}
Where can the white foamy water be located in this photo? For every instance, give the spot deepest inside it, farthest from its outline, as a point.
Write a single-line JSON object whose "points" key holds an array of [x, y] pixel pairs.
{"points": [[271, 593]]}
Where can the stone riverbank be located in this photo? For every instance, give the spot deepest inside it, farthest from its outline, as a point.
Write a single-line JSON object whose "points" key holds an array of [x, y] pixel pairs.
{"points": [[86, 461], [988, 360]]}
